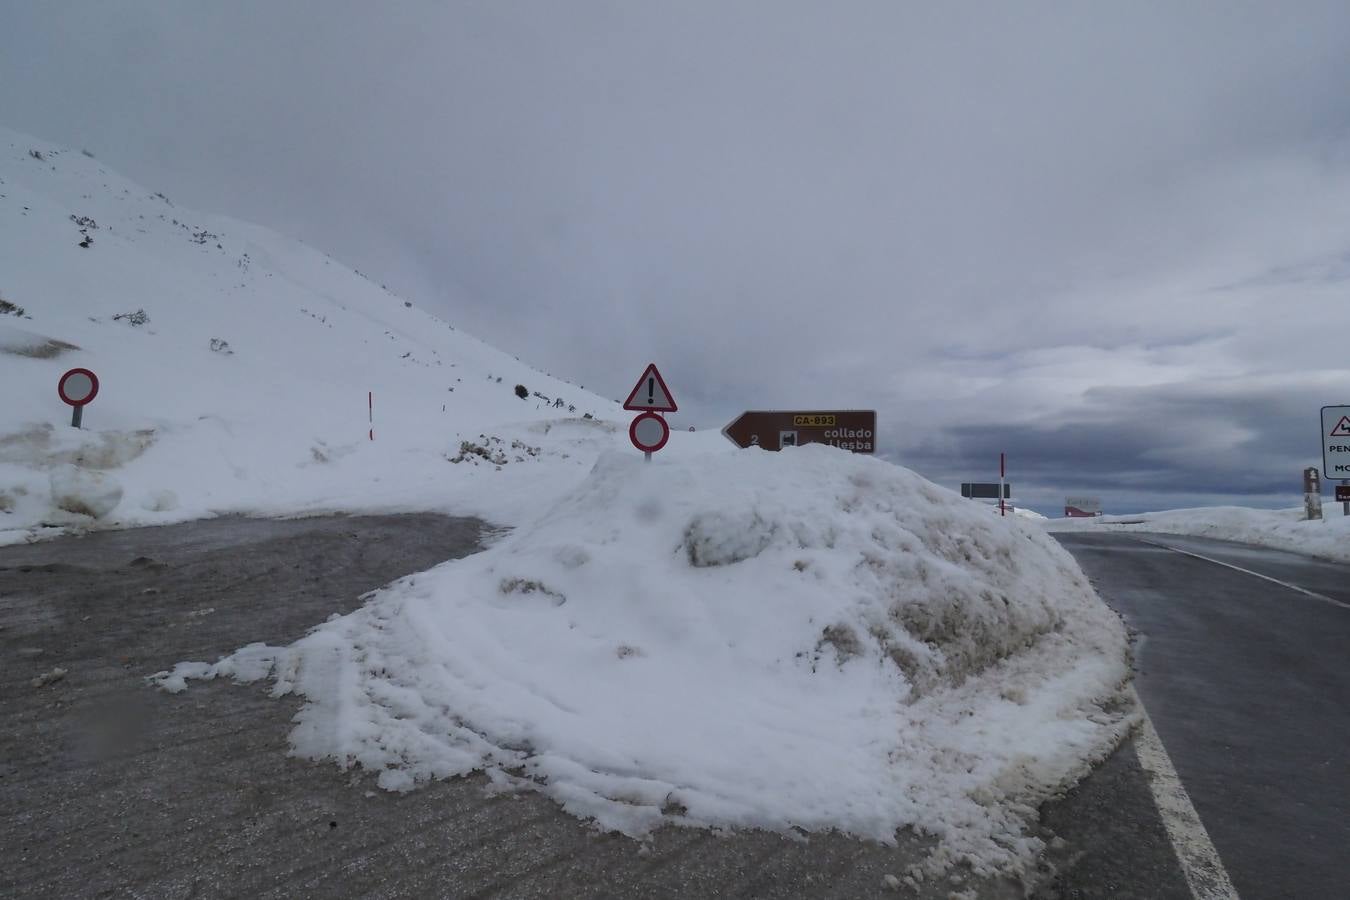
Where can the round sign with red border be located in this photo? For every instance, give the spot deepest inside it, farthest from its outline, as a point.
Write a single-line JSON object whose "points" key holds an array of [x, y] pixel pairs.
{"points": [[649, 432], [78, 387]]}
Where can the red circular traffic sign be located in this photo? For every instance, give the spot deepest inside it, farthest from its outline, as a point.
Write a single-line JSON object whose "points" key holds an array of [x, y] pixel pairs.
{"points": [[78, 387], [649, 432]]}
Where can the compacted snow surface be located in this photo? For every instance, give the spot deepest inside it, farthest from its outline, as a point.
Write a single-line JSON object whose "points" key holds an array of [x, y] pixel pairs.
{"points": [[806, 638]]}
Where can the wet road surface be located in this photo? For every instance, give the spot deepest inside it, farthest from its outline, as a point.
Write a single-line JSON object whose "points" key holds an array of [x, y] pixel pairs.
{"points": [[1248, 685], [109, 788]]}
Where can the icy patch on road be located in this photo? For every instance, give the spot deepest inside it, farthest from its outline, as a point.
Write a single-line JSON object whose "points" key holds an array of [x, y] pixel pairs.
{"points": [[806, 639]]}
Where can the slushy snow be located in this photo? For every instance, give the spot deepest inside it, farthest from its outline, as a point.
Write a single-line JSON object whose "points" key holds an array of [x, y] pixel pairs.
{"points": [[806, 639]]}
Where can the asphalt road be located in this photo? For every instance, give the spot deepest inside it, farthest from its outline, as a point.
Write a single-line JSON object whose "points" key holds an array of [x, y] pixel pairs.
{"points": [[1248, 685], [111, 789]]}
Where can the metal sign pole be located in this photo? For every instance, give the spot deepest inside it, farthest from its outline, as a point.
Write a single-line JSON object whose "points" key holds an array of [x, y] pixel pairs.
{"points": [[77, 416]]}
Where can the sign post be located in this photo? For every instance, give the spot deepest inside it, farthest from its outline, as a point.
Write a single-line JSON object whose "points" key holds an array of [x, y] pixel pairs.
{"points": [[847, 429], [77, 388], [650, 396]]}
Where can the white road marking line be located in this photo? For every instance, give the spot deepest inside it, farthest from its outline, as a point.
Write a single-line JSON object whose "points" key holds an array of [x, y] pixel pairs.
{"points": [[1204, 871], [1219, 562]]}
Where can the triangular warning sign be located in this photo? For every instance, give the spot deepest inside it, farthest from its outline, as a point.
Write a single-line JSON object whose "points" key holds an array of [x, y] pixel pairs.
{"points": [[1342, 428], [651, 393]]}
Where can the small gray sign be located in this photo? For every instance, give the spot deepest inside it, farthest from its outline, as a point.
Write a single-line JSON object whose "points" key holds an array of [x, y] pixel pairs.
{"points": [[985, 490]]}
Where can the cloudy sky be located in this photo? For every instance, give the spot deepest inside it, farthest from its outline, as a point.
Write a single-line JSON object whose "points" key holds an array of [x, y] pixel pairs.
{"points": [[1112, 239]]}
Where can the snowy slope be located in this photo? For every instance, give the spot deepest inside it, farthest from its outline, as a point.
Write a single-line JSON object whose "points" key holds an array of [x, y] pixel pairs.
{"points": [[277, 421], [1282, 529]]}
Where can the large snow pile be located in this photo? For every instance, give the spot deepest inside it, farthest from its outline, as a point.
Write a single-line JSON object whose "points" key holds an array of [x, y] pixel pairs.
{"points": [[236, 368], [802, 639], [1281, 529]]}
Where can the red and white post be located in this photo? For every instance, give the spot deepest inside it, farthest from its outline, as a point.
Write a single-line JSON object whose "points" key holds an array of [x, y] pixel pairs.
{"points": [[1002, 492]]}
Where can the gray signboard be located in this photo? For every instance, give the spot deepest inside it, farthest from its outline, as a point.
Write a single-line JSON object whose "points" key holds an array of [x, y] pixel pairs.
{"points": [[982, 490]]}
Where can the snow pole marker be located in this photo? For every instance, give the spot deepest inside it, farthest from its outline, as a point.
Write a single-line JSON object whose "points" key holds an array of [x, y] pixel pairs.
{"points": [[370, 411], [1002, 474]]}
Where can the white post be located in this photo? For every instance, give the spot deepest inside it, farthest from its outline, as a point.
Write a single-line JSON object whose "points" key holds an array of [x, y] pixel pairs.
{"points": [[1312, 494]]}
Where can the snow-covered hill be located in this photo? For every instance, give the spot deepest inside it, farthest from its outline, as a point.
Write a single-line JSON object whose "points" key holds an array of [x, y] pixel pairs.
{"points": [[245, 385]]}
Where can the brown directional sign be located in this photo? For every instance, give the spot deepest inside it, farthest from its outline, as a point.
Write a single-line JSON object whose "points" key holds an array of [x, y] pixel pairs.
{"points": [[847, 429]]}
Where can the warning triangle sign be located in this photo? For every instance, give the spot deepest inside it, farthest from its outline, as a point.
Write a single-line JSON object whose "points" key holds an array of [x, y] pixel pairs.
{"points": [[1342, 428], [651, 393]]}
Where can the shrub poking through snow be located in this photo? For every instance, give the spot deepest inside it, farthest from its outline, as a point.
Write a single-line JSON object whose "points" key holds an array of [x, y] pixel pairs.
{"points": [[492, 449], [139, 317], [472, 452], [9, 309], [521, 391], [85, 224], [827, 641]]}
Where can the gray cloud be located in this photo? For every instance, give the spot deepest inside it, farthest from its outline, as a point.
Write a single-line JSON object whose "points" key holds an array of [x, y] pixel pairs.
{"points": [[953, 213], [1244, 437]]}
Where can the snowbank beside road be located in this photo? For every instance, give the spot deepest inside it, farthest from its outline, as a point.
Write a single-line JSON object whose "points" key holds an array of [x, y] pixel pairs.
{"points": [[803, 639], [1281, 529]]}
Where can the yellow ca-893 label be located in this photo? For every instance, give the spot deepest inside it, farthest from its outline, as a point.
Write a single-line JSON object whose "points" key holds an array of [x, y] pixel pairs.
{"points": [[814, 421]]}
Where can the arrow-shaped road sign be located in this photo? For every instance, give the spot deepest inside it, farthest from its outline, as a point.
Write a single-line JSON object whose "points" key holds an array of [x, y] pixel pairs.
{"points": [[847, 429]]}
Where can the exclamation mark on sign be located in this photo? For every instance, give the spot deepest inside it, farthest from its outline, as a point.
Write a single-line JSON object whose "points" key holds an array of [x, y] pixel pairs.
{"points": [[651, 391]]}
